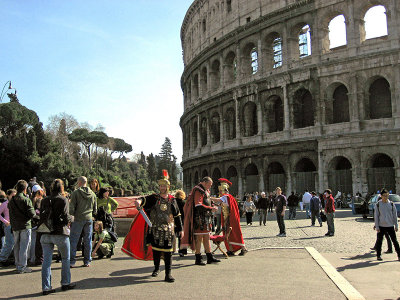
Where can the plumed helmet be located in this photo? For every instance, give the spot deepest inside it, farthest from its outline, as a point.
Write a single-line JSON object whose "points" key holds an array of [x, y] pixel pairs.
{"points": [[164, 179]]}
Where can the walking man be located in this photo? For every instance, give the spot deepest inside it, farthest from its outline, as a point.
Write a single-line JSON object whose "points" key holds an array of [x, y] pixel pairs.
{"points": [[306, 203], [82, 206], [293, 201], [280, 207], [385, 215], [315, 207]]}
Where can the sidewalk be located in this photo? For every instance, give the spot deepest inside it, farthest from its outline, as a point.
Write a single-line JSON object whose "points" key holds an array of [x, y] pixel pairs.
{"points": [[260, 274]]}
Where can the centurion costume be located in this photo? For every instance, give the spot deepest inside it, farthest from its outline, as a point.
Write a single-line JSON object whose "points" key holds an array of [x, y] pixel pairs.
{"points": [[230, 218], [150, 237], [198, 220]]}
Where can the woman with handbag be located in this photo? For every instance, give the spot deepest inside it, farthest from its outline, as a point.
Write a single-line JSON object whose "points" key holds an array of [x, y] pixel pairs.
{"points": [[109, 205], [249, 207], [54, 226]]}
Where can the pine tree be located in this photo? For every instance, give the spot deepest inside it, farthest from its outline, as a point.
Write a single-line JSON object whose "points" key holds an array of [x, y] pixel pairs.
{"points": [[151, 167], [166, 158]]}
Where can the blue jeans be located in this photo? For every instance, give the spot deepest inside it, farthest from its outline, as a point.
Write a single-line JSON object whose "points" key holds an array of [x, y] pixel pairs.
{"points": [[76, 229], [307, 207], [8, 245], [22, 239], [31, 252], [62, 242]]}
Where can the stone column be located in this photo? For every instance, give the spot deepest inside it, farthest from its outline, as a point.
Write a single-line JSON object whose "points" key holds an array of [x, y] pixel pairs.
{"points": [[198, 132], [289, 185], [237, 122], [321, 173], [240, 181], [260, 68], [355, 105], [261, 182]]}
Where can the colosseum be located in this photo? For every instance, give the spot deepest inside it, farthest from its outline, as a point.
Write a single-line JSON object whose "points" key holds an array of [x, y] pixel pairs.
{"points": [[302, 94]]}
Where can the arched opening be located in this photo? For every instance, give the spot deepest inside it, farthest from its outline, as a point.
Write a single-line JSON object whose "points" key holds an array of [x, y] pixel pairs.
{"points": [[194, 135], [380, 99], [215, 176], [274, 114], [232, 176], [249, 59], [230, 124], [305, 41], [381, 173], [203, 132], [204, 174], [303, 109], [196, 178], [337, 32], [254, 60], [273, 51], [250, 119], [215, 75], [215, 128], [203, 80], [340, 175], [251, 178], [276, 177], [375, 22], [230, 68], [195, 86], [340, 105], [304, 176]]}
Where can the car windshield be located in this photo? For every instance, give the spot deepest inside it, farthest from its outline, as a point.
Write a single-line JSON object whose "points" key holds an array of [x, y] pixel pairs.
{"points": [[394, 198]]}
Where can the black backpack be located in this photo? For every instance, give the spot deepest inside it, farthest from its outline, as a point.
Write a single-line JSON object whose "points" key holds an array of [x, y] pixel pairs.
{"points": [[46, 223]]}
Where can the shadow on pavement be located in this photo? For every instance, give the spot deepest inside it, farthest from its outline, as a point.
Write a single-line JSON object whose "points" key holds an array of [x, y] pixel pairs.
{"points": [[359, 265], [360, 256], [310, 238], [25, 296]]}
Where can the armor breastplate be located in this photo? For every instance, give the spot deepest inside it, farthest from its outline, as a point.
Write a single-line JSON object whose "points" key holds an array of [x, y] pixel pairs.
{"points": [[163, 221], [225, 211]]}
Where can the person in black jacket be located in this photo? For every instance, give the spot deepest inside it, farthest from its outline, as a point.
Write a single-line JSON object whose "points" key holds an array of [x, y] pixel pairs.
{"points": [[180, 197], [262, 206], [54, 225]]}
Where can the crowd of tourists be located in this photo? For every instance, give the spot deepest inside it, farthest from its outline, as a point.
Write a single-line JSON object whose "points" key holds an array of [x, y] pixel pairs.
{"points": [[35, 221]]}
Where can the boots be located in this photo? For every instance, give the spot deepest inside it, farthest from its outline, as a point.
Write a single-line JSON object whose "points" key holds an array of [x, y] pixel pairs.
{"points": [[199, 260], [156, 259], [211, 259], [168, 263]]}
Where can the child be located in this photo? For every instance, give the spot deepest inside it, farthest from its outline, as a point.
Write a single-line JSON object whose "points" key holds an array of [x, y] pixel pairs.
{"points": [[102, 243]]}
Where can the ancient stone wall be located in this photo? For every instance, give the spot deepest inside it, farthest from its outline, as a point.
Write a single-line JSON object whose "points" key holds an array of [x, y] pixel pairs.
{"points": [[268, 99]]}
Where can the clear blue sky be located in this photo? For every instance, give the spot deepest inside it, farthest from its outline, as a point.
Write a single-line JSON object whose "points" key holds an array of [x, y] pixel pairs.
{"points": [[115, 62]]}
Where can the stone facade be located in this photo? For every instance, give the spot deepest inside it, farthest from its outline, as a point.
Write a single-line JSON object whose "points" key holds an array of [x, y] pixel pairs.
{"points": [[268, 102]]}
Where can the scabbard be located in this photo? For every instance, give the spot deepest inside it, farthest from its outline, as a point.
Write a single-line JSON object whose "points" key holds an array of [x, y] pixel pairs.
{"points": [[145, 217]]}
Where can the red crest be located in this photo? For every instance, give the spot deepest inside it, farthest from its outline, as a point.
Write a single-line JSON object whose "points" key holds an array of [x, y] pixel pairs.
{"points": [[225, 180]]}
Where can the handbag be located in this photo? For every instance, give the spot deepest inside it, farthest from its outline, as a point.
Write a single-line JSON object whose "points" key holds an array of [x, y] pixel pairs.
{"points": [[323, 216]]}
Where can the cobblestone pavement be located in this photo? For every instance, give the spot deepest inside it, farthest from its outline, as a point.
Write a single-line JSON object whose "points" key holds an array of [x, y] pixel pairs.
{"points": [[353, 234]]}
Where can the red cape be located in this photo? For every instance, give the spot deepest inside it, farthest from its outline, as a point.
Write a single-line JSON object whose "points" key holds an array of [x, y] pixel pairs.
{"points": [[236, 236], [188, 238], [135, 244]]}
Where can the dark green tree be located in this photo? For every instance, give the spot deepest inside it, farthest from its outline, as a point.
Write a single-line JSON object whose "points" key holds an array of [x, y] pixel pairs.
{"points": [[151, 167]]}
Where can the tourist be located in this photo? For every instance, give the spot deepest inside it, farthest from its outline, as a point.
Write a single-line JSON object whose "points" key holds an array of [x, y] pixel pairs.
{"points": [[280, 207], [330, 212], [249, 208], [53, 225], [94, 186], [82, 206], [180, 198], [103, 245], [385, 215], [315, 208], [21, 213], [306, 203], [9, 237], [293, 201], [262, 206], [35, 248]]}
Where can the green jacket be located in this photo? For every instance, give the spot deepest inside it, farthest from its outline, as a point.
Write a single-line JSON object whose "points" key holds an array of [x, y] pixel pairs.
{"points": [[21, 212], [83, 204], [112, 204]]}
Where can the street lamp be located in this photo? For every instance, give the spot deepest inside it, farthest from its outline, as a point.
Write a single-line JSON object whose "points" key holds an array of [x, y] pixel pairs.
{"points": [[5, 90]]}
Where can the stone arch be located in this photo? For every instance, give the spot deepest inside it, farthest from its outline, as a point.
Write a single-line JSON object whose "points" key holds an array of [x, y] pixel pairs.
{"points": [[204, 173], [337, 31], [246, 60], [230, 124], [215, 128], [276, 176], [303, 35], [381, 173], [196, 178], [194, 135], [379, 103], [273, 50], [215, 75], [340, 176], [251, 178], [375, 22], [250, 126], [230, 68], [204, 80], [303, 109], [304, 175], [337, 106], [216, 174], [274, 113], [232, 176], [203, 131]]}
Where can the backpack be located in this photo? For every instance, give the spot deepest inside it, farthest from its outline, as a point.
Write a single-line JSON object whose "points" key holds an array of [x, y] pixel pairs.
{"points": [[113, 235], [46, 219]]}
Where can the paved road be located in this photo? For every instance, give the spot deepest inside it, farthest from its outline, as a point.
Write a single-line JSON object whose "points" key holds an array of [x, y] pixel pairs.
{"points": [[272, 273]]}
